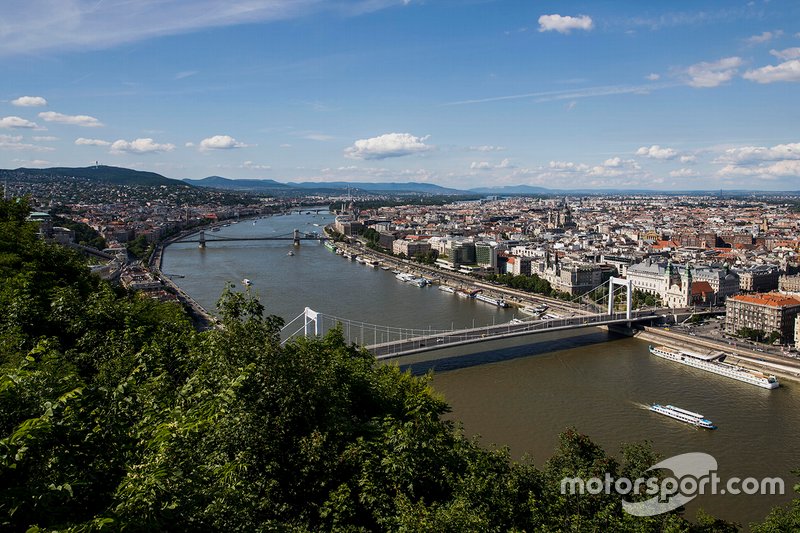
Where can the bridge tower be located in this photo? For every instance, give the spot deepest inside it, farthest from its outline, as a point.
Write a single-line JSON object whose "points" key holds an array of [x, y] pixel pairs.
{"points": [[202, 239], [296, 236], [628, 294], [310, 316]]}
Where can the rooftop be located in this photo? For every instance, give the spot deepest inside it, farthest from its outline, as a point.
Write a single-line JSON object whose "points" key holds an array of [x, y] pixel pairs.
{"points": [[771, 299]]}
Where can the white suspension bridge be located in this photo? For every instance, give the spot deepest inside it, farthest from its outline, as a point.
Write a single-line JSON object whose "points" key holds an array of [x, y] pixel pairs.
{"points": [[386, 342]]}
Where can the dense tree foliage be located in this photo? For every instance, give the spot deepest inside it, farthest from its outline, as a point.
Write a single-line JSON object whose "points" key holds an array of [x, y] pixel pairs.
{"points": [[116, 414]]}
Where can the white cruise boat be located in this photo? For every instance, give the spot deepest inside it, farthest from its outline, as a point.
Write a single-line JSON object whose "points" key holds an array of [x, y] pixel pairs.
{"points": [[696, 419], [445, 288], [499, 302], [710, 363]]}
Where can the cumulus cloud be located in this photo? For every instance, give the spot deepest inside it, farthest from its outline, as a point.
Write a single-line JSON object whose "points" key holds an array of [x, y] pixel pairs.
{"points": [[76, 120], [81, 141], [29, 101], [760, 153], [565, 24], [764, 171], [221, 142], [140, 146], [485, 165], [683, 173], [714, 73], [786, 71], [761, 162], [763, 37], [16, 122], [688, 159], [387, 145], [567, 165], [787, 53], [657, 152]]}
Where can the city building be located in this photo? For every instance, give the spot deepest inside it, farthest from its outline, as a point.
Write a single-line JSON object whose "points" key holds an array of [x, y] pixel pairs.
{"points": [[789, 284], [767, 312], [759, 278], [410, 248]]}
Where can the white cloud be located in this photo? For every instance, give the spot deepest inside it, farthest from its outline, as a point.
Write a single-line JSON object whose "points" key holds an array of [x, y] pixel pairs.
{"points": [[760, 153], [653, 76], [140, 146], [387, 145], [787, 71], [688, 159], [763, 37], [787, 53], [567, 165], [81, 141], [485, 165], [76, 120], [16, 122], [714, 73], [221, 142], [657, 152], [761, 162], [93, 24], [486, 148], [564, 24], [29, 101], [767, 171], [14, 142], [254, 166], [189, 144], [683, 173], [44, 138]]}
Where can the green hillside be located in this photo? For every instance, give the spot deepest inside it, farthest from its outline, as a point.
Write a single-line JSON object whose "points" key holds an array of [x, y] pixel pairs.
{"points": [[105, 174]]}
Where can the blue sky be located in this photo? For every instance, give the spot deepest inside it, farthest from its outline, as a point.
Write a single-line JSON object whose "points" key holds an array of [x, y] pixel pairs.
{"points": [[661, 95]]}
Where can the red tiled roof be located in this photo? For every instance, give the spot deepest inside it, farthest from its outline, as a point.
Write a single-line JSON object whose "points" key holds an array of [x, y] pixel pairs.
{"points": [[702, 287], [770, 299]]}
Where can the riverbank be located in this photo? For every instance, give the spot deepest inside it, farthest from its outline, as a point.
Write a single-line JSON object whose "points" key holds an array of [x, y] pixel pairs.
{"points": [[515, 298], [784, 368]]}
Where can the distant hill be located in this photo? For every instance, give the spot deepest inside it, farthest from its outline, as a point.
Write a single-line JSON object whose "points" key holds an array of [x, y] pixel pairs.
{"points": [[512, 189], [218, 182], [428, 188], [330, 187], [105, 174]]}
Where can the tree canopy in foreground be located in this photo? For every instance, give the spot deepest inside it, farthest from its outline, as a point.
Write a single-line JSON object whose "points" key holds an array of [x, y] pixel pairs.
{"points": [[115, 414]]}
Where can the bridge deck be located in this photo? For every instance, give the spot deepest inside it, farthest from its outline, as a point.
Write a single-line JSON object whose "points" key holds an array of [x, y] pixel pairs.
{"points": [[439, 341]]}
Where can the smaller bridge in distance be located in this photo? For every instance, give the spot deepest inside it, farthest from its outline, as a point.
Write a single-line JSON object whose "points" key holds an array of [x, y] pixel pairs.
{"points": [[296, 236]]}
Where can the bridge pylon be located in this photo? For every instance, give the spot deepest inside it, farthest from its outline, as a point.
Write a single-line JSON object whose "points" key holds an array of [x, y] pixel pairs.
{"points": [[296, 237], [202, 239], [628, 294]]}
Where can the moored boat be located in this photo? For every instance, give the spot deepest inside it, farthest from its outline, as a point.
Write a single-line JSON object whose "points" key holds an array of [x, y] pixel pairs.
{"points": [[712, 363]]}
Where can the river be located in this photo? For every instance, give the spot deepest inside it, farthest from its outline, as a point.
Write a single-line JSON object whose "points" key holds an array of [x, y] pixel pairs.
{"points": [[596, 382]]}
